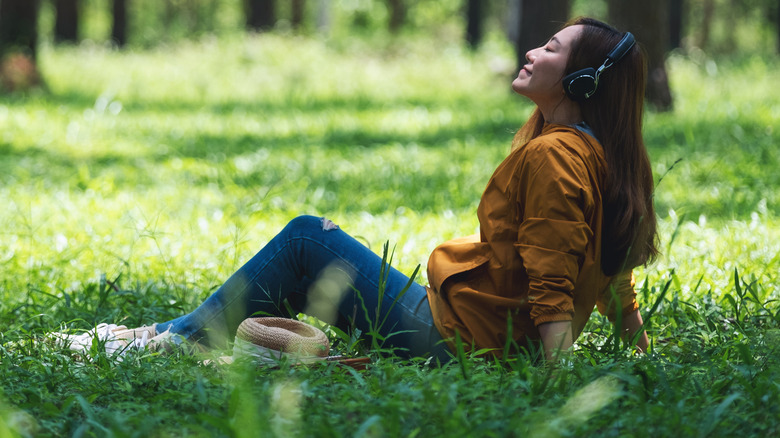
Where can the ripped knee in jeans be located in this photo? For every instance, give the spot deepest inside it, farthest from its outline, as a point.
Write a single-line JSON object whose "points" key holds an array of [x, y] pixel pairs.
{"points": [[328, 225]]}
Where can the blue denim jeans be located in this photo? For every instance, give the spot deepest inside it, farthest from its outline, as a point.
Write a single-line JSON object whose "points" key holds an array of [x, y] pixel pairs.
{"points": [[324, 273]]}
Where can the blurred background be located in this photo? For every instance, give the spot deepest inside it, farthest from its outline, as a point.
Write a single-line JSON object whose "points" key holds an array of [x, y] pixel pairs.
{"points": [[717, 27]]}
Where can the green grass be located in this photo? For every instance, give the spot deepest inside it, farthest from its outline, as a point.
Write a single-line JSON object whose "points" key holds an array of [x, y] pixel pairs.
{"points": [[162, 171]]}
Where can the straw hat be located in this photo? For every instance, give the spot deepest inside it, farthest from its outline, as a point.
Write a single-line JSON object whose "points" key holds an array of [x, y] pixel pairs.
{"points": [[271, 339]]}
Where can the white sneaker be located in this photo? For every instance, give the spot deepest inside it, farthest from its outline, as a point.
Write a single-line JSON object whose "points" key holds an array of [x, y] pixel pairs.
{"points": [[117, 339], [122, 339]]}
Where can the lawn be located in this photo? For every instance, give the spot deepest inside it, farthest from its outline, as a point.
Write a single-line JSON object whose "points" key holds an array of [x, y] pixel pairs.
{"points": [[139, 181]]}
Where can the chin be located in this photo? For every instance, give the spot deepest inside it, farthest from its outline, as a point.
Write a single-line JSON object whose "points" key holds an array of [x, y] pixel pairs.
{"points": [[518, 89]]}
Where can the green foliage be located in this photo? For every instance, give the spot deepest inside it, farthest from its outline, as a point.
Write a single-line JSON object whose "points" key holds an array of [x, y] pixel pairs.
{"points": [[733, 27], [141, 180]]}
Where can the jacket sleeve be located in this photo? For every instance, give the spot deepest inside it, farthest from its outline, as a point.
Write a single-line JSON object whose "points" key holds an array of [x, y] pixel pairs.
{"points": [[618, 297], [554, 193]]}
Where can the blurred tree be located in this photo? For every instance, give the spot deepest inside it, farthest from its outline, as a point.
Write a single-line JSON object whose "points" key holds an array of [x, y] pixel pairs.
{"points": [[119, 23], [260, 14], [203, 18], [323, 15], [66, 22], [298, 11], [474, 20], [18, 44], [537, 21], [708, 12], [675, 23], [397, 14], [170, 13], [649, 21], [19, 27]]}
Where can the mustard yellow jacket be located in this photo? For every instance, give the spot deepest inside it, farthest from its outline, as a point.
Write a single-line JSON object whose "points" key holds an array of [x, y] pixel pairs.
{"points": [[537, 257]]}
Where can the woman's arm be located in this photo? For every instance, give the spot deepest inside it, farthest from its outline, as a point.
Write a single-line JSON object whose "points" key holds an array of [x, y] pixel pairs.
{"points": [[632, 323], [556, 337]]}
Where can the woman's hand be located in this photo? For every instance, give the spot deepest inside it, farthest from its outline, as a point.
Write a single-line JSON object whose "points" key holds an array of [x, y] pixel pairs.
{"points": [[632, 323]]}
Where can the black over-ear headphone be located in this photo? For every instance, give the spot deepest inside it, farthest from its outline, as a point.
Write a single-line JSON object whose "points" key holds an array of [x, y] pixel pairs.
{"points": [[581, 84]]}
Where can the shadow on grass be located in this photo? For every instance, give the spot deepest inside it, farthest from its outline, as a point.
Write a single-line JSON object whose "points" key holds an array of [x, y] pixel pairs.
{"points": [[735, 158]]}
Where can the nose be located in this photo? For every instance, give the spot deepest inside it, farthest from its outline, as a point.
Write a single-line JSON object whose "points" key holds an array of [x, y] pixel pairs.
{"points": [[530, 56]]}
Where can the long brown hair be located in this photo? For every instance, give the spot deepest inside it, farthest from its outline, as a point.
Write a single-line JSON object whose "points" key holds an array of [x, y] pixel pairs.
{"points": [[615, 114]]}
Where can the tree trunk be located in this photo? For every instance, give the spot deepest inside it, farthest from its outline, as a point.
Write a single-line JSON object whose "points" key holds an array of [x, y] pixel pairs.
{"points": [[66, 23], [397, 14], [675, 23], [539, 20], [119, 23], [777, 23], [298, 11], [18, 45], [260, 14], [19, 27], [474, 12], [649, 22], [706, 23]]}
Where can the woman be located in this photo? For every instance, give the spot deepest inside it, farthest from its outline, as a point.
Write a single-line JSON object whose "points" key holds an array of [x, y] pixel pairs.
{"points": [[567, 215], [562, 222]]}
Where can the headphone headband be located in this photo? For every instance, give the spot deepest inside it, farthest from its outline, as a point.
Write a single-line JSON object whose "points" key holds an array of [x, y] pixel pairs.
{"points": [[582, 84], [620, 50]]}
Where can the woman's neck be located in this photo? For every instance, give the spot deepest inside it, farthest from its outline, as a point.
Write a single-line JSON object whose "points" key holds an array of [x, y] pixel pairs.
{"points": [[565, 112]]}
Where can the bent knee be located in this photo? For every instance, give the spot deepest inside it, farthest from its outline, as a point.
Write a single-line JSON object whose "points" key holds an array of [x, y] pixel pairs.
{"points": [[309, 222], [304, 221]]}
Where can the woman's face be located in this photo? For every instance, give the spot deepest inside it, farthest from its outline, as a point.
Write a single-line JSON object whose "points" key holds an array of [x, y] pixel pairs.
{"points": [[540, 79]]}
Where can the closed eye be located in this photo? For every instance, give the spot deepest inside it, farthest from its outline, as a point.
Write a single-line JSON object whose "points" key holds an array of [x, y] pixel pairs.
{"points": [[553, 41]]}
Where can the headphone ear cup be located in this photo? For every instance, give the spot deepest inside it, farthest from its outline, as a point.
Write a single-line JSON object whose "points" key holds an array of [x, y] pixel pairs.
{"points": [[580, 84]]}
